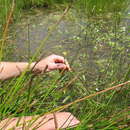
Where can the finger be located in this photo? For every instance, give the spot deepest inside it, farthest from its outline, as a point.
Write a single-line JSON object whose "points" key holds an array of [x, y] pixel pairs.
{"points": [[64, 120], [61, 66], [56, 66], [58, 59]]}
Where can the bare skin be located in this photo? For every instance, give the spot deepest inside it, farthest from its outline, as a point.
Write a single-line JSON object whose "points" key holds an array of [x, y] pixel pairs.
{"points": [[50, 121], [13, 69], [64, 120]]}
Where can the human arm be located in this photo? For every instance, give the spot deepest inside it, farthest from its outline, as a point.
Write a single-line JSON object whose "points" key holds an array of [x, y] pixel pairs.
{"points": [[13, 69], [47, 122]]}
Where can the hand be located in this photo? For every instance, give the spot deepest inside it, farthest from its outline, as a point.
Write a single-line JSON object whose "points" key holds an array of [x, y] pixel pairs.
{"points": [[47, 122], [52, 62]]}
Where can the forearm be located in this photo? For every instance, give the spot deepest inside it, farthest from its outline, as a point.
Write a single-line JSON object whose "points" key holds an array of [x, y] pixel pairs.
{"points": [[52, 62], [13, 69]]}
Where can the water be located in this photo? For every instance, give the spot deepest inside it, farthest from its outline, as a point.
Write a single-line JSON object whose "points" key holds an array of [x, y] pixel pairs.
{"points": [[90, 45], [37, 30]]}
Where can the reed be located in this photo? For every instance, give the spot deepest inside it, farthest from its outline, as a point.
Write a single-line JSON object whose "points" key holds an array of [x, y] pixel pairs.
{"points": [[106, 108]]}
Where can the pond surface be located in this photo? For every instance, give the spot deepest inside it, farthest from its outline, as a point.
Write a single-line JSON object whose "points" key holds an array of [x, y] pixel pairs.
{"points": [[32, 29], [90, 44]]}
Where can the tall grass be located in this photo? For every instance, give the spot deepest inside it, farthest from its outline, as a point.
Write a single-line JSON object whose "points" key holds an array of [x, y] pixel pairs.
{"points": [[31, 95], [91, 7], [99, 7]]}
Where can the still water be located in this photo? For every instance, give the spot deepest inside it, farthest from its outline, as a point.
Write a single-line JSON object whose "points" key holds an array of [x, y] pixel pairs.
{"points": [[89, 44]]}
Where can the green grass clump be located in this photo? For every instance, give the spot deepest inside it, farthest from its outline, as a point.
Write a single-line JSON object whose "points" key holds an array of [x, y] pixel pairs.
{"points": [[99, 7], [91, 7], [103, 63]]}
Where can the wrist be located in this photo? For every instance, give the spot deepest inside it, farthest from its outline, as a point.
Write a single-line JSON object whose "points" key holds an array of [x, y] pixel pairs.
{"points": [[35, 68], [32, 65]]}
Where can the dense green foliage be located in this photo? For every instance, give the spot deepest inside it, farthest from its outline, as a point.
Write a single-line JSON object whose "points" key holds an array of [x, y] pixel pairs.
{"points": [[103, 63], [91, 7]]}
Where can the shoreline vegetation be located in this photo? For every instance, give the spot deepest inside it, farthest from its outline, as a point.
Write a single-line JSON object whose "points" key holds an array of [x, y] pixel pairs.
{"points": [[97, 90], [88, 7]]}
